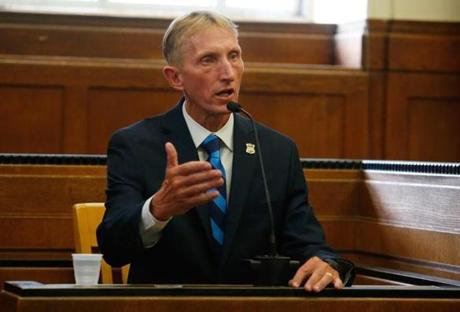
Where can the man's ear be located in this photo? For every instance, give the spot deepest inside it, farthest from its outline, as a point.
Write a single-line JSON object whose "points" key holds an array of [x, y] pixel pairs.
{"points": [[173, 77]]}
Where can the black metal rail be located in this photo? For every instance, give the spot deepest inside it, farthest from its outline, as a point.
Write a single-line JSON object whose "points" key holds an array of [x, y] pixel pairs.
{"points": [[451, 168]]}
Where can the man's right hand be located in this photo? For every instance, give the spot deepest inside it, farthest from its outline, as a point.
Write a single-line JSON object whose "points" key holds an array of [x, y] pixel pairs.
{"points": [[185, 186]]}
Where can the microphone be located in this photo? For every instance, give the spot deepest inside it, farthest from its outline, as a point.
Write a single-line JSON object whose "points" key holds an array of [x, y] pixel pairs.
{"points": [[272, 269]]}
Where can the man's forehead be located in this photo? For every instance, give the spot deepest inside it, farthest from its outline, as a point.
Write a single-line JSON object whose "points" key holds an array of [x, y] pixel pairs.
{"points": [[210, 36]]}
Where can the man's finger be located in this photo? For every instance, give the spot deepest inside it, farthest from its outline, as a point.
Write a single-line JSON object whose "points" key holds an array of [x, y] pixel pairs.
{"points": [[202, 176], [304, 272], [338, 284], [299, 276], [199, 188], [313, 279], [202, 198], [191, 167], [325, 280], [171, 155]]}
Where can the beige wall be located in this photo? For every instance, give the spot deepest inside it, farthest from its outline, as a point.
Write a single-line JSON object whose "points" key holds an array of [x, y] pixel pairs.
{"points": [[425, 10]]}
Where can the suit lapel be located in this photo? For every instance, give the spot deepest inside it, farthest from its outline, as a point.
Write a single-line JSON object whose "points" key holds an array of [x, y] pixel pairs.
{"points": [[177, 132], [244, 166]]}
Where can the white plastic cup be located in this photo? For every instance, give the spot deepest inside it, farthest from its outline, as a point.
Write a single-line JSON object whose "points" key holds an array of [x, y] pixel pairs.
{"points": [[86, 268]]}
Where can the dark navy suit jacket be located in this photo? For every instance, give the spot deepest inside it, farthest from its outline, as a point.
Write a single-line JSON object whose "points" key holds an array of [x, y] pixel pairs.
{"points": [[136, 167]]}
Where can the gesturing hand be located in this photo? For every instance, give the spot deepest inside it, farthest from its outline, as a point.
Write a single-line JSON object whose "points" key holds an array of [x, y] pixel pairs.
{"points": [[316, 274], [184, 187]]}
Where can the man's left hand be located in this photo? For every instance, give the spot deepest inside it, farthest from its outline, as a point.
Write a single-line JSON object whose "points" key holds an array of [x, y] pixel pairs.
{"points": [[315, 275]]}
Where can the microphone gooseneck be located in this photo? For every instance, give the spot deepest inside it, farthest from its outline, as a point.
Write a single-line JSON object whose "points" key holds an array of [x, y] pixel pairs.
{"points": [[236, 108], [272, 269]]}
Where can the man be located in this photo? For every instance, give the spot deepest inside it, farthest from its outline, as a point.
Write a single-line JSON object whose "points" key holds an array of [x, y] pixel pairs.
{"points": [[178, 218]]}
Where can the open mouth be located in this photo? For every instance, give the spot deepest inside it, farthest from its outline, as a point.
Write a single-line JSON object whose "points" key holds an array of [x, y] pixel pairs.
{"points": [[225, 93]]}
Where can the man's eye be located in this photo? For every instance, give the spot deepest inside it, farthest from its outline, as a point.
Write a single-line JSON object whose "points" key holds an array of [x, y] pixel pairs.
{"points": [[207, 60], [234, 56]]}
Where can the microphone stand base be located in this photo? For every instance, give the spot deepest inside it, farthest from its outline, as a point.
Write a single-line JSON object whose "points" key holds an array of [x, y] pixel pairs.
{"points": [[273, 270]]}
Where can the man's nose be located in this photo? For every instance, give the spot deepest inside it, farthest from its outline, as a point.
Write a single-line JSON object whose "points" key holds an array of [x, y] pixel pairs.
{"points": [[227, 70]]}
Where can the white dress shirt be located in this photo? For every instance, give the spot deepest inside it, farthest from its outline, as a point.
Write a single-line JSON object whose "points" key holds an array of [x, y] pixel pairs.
{"points": [[150, 228]]}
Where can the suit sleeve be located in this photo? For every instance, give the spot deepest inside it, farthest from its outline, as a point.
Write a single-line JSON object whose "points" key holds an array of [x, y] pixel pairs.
{"points": [[118, 234]]}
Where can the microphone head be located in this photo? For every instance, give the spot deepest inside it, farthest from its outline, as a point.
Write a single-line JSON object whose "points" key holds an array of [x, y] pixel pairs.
{"points": [[234, 107]]}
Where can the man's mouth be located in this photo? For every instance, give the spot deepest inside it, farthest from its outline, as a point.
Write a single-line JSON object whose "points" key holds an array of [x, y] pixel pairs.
{"points": [[225, 93]]}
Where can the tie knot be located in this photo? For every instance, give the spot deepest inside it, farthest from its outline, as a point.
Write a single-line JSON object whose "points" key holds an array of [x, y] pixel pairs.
{"points": [[211, 144]]}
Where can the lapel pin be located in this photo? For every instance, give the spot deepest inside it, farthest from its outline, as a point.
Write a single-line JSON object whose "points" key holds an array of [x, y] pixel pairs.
{"points": [[250, 148]]}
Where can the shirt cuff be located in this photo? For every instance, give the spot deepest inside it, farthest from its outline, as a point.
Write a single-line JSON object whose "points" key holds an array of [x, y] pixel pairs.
{"points": [[150, 228]]}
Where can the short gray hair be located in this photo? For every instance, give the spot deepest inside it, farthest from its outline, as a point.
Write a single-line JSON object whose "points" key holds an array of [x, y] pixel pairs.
{"points": [[185, 26]]}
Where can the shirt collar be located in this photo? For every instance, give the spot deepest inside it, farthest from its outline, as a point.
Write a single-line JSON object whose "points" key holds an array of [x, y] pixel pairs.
{"points": [[199, 133]]}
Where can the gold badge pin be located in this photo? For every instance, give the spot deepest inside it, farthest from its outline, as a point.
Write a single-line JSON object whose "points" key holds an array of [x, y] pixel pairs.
{"points": [[250, 148]]}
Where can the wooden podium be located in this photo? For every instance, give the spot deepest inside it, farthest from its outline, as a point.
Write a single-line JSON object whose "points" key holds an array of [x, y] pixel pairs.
{"points": [[37, 297]]}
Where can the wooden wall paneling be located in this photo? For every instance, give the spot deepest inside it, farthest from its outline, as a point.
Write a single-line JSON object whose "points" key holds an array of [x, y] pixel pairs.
{"points": [[422, 202], [321, 116], [330, 106], [375, 45], [110, 109], [406, 243], [31, 118], [76, 71], [338, 99], [75, 120], [334, 195], [53, 275], [287, 48], [411, 219], [401, 221], [404, 264], [357, 133], [377, 100], [423, 117], [83, 41], [126, 38], [424, 46], [433, 125], [81, 117], [36, 203], [396, 124], [374, 61]]}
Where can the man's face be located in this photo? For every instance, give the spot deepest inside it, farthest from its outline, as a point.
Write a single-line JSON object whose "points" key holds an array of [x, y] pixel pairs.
{"points": [[210, 72]]}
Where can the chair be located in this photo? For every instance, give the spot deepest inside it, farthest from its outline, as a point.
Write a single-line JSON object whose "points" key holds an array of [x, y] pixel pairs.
{"points": [[86, 218]]}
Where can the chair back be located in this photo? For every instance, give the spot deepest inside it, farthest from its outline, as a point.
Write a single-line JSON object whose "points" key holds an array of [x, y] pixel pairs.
{"points": [[86, 218]]}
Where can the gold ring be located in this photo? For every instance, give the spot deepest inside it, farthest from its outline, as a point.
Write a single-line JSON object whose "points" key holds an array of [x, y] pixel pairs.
{"points": [[329, 274]]}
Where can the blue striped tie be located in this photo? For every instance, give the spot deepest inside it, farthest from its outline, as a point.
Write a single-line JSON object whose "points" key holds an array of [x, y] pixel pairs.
{"points": [[218, 207]]}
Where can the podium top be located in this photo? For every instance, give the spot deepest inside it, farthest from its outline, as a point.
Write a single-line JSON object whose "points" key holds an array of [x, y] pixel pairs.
{"points": [[36, 289]]}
